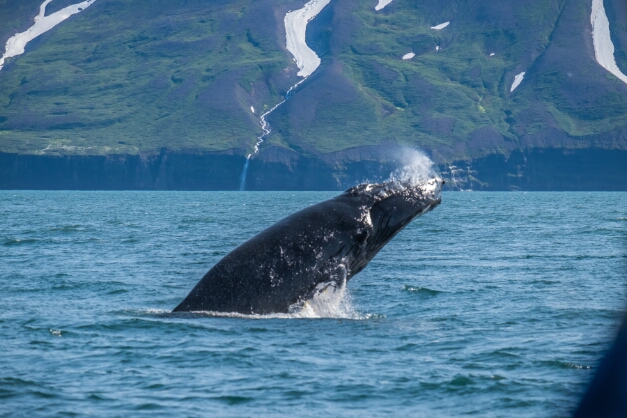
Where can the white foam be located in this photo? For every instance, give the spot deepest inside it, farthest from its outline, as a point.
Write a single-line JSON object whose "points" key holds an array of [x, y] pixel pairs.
{"points": [[295, 30], [409, 56], [603, 45], [16, 44], [437, 48], [382, 4], [440, 26], [492, 54], [330, 302], [252, 109], [517, 80]]}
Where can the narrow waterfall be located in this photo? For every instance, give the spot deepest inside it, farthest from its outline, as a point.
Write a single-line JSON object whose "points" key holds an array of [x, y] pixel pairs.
{"points": [[306, 59]]}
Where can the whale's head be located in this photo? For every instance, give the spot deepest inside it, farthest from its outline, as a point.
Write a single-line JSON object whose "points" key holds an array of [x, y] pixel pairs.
{"points": [[386, 208]]}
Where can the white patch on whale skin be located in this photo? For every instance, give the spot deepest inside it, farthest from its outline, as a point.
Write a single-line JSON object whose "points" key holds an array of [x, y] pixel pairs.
{"points": [[517, 80], [365, 217], [382, 4], [295, 29], [440, 26], [602, 40], [16, 44], [433, 188]]}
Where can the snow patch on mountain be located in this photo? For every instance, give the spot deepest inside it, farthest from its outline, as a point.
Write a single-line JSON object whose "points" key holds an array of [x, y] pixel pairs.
{"points": [[295, 30], [16, 44], [603, 45], [440, 26], [517, 80], [382, 4]]}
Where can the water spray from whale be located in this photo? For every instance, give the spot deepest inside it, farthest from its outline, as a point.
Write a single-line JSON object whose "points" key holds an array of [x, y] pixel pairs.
{"points": [[306, 59]]}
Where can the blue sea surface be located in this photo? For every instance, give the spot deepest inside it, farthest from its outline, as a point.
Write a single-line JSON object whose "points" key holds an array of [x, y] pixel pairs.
{"points": [[493, 304]]}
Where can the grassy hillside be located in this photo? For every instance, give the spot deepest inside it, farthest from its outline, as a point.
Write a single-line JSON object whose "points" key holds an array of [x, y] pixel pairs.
{"points": [[127, 76], [456, 99]]}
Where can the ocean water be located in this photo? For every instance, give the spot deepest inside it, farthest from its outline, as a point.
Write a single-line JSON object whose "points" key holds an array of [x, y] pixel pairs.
{"points": [[493, 304]]}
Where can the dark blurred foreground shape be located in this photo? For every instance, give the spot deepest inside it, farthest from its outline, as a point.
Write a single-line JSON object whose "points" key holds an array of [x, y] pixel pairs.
{"points": [[607, 394]]}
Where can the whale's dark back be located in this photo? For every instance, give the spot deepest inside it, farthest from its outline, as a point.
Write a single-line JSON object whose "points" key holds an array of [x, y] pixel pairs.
{"points": [[277, 267]]}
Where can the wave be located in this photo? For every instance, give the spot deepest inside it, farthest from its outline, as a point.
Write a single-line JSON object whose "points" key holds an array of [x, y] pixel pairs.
{"points": [[421, 290], [17, 241]]}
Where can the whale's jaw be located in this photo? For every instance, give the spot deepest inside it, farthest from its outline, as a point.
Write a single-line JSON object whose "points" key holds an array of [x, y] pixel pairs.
{"points": [[397, 204], [391, 207]]}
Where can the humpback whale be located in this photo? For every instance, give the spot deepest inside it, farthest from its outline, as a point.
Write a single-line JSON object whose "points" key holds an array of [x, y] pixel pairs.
{"points": [[318, 247]]}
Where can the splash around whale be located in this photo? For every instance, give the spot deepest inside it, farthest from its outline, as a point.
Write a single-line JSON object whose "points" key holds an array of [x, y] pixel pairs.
{"points": [[313, 251]]}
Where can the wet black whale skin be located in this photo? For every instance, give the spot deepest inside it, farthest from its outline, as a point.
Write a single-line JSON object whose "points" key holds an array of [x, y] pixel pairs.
{"points": [[325, 243]]}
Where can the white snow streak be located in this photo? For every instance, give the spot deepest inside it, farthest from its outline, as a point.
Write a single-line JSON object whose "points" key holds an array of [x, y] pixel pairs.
{"points": [[603, 46], [409, 56], [517, 80], [295, 29], [306, 59], [382, 4], [440, 26], [16, 44]]}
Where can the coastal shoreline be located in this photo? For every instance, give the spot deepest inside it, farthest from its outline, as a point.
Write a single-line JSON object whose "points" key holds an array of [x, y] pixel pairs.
{"points": [[548, 169]]}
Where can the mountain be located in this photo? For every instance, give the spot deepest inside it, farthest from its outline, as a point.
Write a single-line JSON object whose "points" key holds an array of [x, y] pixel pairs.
{"points": [[162, 94]]}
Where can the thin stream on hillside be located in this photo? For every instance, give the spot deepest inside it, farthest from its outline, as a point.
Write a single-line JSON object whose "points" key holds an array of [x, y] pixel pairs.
{"points": [[306, 60], [265, 126]]}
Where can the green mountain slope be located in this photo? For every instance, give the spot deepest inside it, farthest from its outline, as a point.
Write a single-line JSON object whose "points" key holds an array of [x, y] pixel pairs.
{"points": [[128, 76], [457, 100]]}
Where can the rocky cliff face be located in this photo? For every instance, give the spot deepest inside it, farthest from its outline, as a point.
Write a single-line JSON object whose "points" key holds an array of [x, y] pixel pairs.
{"points": [[537, 169]]}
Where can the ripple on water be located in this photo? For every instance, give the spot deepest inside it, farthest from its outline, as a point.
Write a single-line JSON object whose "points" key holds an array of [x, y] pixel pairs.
{"points": [[19, 241], [423, 291]]}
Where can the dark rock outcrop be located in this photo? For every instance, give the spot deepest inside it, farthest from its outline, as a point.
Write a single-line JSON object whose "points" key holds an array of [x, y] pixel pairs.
{"points": [[278, 169]]}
